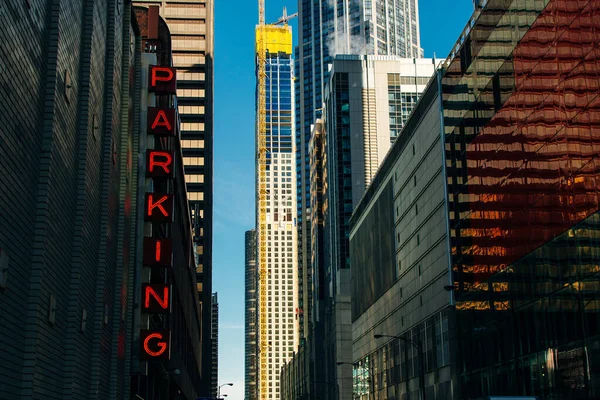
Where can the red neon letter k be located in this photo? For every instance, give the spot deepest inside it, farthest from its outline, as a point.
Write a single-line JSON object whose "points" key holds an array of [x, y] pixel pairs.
{"points": [[158, 204]]}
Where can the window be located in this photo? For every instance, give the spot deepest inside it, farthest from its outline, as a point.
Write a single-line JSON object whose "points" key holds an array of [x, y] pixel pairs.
{"points": [[442, 345]]}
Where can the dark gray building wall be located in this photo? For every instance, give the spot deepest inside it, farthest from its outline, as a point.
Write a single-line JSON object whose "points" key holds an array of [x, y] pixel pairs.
{"points": [[251, 322], [400, 267], [215, 345], [63, 304]]}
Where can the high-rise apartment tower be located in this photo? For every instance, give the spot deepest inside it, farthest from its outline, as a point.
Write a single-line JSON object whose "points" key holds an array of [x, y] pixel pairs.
{"points": [[276, 202], [327, 28], [191, 27]]}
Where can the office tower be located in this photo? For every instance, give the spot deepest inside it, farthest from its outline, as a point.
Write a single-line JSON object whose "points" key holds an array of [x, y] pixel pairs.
{"points": [[485, 217], [215, 345], [276, 209], [191, 26], [367, 103], [326, 29], [250, 324]]}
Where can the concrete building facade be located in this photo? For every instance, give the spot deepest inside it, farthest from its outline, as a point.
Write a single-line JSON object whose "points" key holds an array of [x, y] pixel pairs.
{"points": [[400, 274]]}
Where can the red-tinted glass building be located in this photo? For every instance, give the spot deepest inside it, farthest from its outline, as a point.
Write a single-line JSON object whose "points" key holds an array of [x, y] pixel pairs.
{"points": [[522, 133]]}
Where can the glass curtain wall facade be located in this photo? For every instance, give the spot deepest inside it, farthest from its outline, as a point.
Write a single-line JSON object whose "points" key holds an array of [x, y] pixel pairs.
{"points": [[521, 128], [522, 125], [281, 237]]}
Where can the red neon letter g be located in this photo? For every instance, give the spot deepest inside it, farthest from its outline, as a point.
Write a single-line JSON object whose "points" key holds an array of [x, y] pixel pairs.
{"points": [[162, 345]]}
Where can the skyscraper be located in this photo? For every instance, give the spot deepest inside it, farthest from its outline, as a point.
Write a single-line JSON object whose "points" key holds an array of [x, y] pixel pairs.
{"points": [[250, 361], [327, 28], [192, 33], [278, 299]]}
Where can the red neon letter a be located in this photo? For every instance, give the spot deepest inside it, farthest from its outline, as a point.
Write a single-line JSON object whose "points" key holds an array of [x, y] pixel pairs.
{"points": [[161, 120], [163, 302]]}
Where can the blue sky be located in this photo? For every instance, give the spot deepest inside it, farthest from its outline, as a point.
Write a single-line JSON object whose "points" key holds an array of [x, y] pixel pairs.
{"points": [[441, 23]]}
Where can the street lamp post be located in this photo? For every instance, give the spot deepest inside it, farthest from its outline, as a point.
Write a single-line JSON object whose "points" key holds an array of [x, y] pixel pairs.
{"points": [[219, 389], [419, 346]]}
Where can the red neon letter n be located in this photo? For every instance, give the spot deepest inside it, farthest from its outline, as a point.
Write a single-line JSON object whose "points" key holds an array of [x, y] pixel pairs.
{"points": [[163, 302]]}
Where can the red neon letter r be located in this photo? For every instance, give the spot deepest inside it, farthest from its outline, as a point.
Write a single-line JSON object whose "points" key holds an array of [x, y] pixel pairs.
{"points": [[163, 164]]}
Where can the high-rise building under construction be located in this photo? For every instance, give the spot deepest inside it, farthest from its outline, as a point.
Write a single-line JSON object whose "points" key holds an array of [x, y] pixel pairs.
{"points": [[276, 235]]}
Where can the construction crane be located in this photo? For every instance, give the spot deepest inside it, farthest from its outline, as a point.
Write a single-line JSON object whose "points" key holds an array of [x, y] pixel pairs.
{"points": [[285, 18], [262, 193]]}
